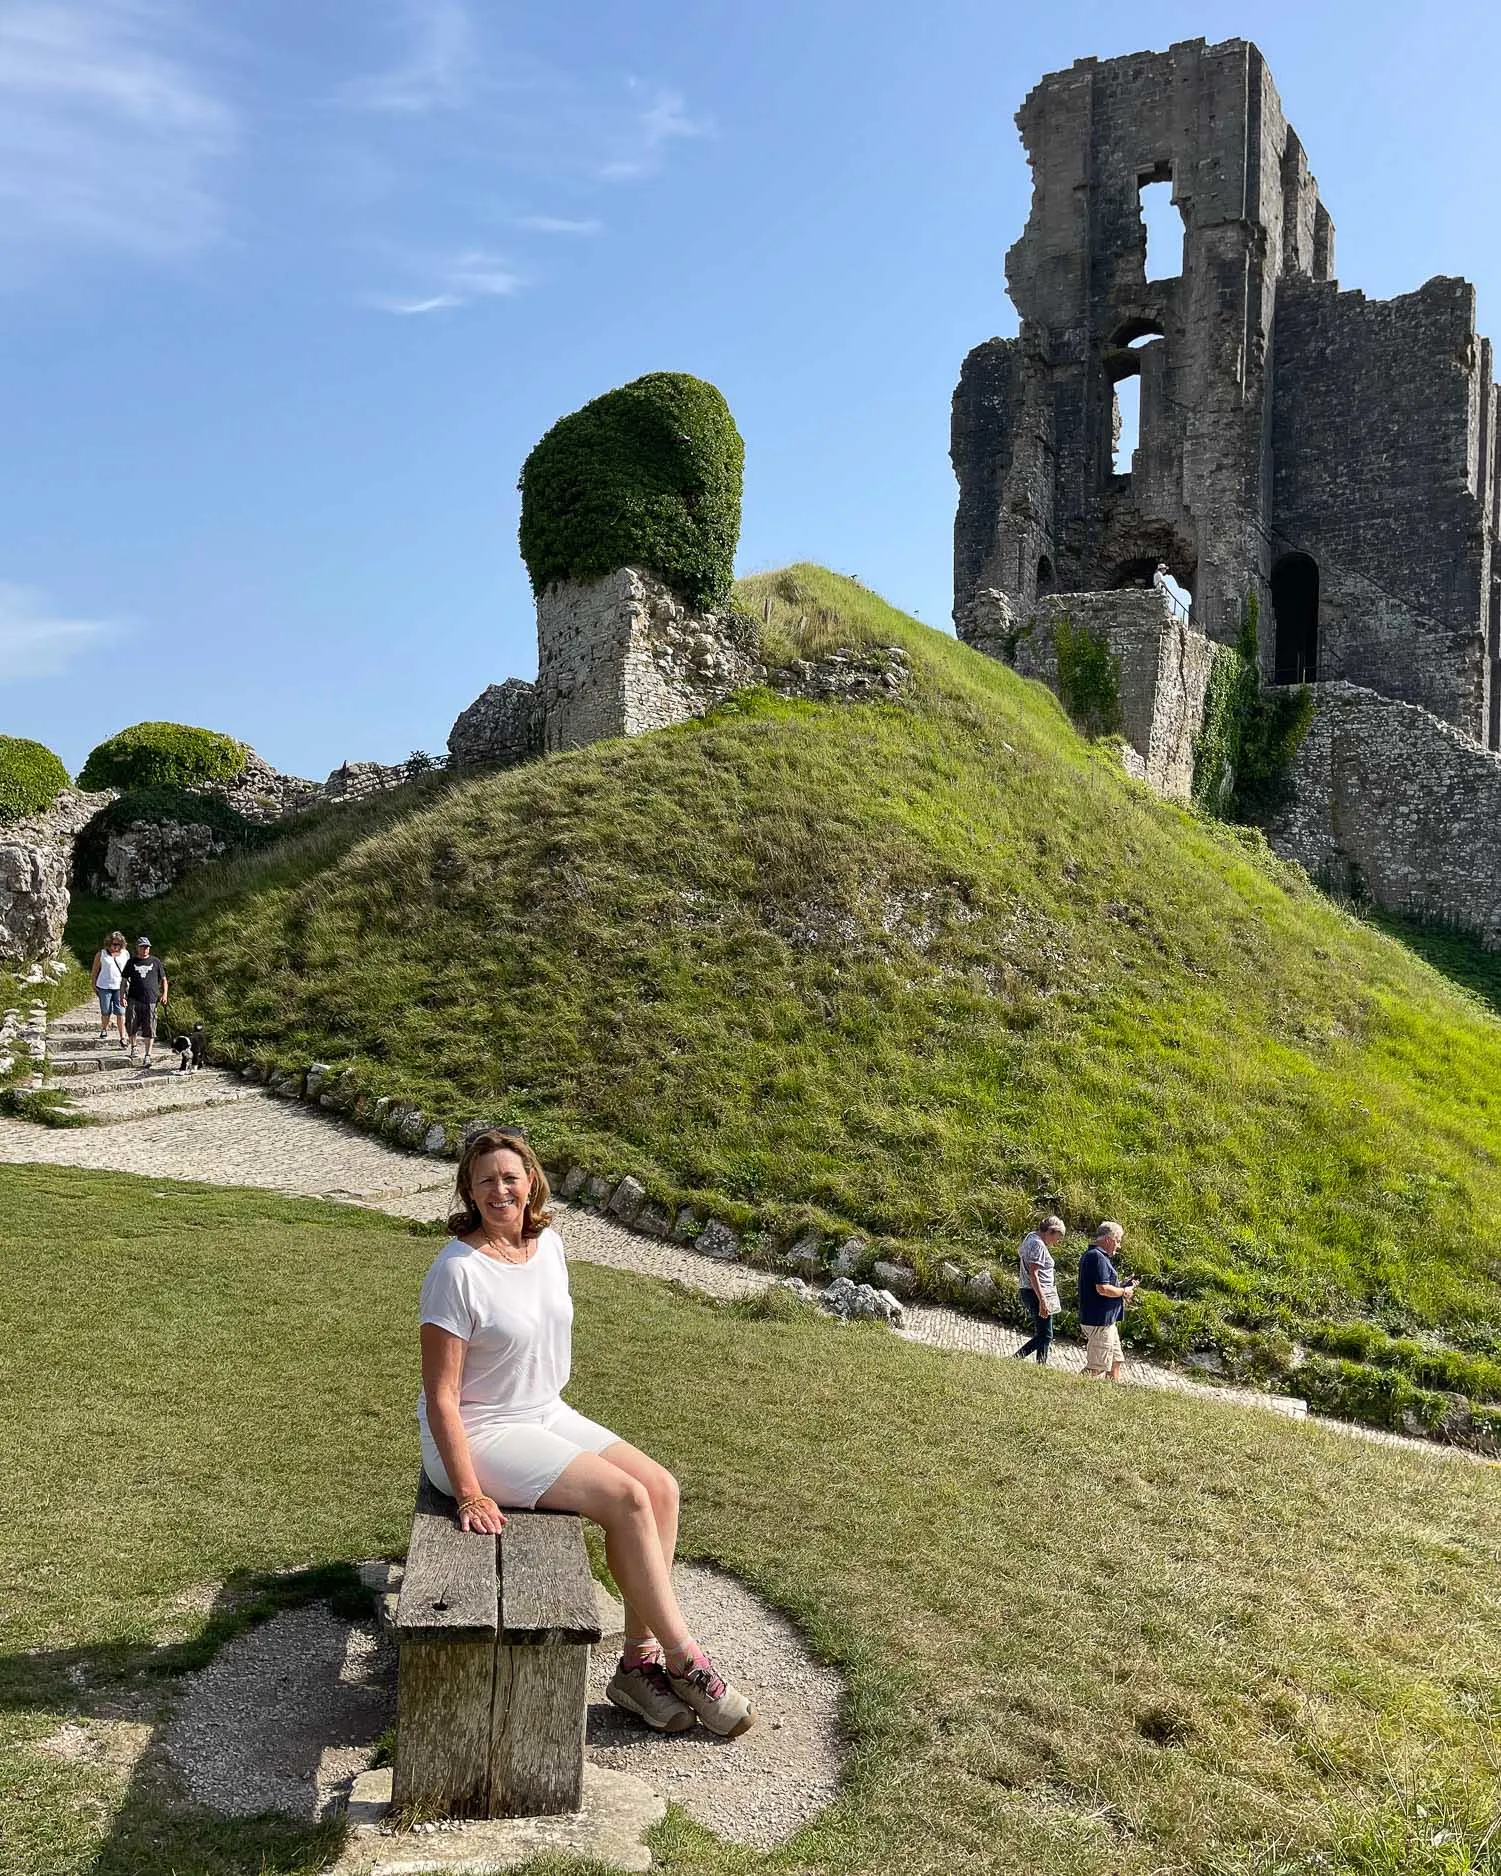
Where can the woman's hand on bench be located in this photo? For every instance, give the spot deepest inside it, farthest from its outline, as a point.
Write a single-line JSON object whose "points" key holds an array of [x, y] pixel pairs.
{"points": [[481, 1514]]}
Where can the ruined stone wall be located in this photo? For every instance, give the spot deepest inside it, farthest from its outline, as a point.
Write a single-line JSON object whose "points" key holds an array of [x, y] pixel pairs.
{"points": [[1163, 673], [1034, 417], [1394, 804], [1384, 452], [623, 655]]}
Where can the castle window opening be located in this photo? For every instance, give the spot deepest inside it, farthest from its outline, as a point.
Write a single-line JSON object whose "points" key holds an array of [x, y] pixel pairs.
{"points": [[1125, 431], [1047, 580], [1295, 608], [1164, 228]]}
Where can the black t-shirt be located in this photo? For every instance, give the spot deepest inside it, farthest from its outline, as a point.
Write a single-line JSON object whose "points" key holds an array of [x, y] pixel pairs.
{"points": [[142, 980]]}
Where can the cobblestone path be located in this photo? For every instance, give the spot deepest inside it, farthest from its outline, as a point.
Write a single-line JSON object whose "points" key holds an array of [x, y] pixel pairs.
{"points": [[213, 1127]]}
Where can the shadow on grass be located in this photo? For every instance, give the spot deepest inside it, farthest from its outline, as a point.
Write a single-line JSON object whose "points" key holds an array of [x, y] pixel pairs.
{"points": [[1458, 955], [155, 1828]]}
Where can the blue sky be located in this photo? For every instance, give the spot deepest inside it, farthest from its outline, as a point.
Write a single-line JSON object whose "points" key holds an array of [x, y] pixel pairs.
{"points": [[288, 290]]}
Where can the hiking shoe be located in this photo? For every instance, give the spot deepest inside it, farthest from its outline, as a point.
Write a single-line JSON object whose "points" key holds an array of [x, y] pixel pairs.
{"points": [[646, 1691], [722, 1708]]}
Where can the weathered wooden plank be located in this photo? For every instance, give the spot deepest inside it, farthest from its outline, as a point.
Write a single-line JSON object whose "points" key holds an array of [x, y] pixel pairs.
{"points": [[537, 1731], [444, 1711], [450, 1590], [546, 1589]]}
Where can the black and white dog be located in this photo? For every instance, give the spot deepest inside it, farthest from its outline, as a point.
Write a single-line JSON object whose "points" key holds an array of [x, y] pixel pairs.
{"points": [[189, 1050]]}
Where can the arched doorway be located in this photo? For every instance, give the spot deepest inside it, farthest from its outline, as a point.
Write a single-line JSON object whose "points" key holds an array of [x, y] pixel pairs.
{"points": [[1295, 607]]}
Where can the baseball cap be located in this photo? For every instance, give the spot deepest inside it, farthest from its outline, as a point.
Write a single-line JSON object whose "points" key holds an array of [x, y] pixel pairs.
{"points": [[143, 939]]}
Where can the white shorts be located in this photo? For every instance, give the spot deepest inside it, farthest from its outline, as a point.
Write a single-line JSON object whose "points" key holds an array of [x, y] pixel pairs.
{"points": [[516, 1460]]}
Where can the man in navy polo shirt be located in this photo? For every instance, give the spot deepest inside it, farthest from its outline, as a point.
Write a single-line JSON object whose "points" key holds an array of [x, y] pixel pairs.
{"points": [[1102, 1302]]}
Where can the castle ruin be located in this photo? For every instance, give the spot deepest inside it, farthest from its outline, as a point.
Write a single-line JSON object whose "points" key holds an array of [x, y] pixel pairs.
{"points": [[1337, 457]]}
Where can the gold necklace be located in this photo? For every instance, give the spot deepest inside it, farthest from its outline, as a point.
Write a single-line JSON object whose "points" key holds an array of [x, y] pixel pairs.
{"points": [[498, 1252]]}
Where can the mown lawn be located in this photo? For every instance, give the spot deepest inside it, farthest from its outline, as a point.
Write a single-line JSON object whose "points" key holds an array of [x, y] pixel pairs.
{"points": [[1085, 1631]]}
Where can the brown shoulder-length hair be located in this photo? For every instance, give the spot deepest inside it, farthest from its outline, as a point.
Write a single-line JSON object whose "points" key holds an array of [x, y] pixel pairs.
{"points": [[465, 1215]]}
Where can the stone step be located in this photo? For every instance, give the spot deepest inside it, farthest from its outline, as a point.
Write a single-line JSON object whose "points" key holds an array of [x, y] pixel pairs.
{"points": [[100, 1064]]}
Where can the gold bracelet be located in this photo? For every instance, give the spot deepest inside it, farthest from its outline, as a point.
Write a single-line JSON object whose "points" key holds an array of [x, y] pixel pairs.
{"points": [[478, 1498]]}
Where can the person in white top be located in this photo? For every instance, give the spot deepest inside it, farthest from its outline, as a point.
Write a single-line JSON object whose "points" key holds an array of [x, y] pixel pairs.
{"points": [[497, 1334], [109, 961]]}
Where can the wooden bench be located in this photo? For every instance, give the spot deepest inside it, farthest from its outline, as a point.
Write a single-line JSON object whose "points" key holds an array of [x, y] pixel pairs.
{"points": [[494, 1637]]}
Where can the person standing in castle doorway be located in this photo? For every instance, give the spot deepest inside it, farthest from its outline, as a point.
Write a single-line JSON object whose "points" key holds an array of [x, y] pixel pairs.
{"points": [[1039, 1283], [1160, 577], [144, 983]]}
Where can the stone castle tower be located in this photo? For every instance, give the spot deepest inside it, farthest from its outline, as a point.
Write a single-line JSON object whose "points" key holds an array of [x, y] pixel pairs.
{"points": [[1339, 457]]}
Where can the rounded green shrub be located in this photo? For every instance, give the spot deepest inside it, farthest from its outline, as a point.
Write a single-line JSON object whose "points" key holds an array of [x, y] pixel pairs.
{"points": [[31, 778], [155, 755], [647, 476]]}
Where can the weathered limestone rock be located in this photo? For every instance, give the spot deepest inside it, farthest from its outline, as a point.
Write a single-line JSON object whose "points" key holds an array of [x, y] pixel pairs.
{"points": [[899, 1279], [623, 655], [147, 858], [627, 1200], [36, 863], [717, 1240], [502, 725], [850, 1256]]}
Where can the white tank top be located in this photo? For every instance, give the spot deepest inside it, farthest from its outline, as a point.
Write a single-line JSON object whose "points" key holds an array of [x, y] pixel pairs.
{"points": [[109, 972]]}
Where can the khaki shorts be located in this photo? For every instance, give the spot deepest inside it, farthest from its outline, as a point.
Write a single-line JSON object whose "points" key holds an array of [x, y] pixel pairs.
{"points": [[1102, 1346]]}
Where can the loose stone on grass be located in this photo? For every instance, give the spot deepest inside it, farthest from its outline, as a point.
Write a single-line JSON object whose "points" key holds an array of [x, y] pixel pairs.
{"points": [[899, 1279], [849, 1257]]}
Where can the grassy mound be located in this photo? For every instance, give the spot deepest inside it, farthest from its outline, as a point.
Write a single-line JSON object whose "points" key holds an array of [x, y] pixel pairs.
{"points": [[152, 755], [31, 778], [1086, 1632], [912, 970], [646, 476]]}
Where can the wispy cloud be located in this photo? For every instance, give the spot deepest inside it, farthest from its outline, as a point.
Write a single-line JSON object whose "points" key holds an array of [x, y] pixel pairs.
{"points": [[109, 136], [641, 144], [438, 70], [557, 225], [453, 282], [34, 641]]}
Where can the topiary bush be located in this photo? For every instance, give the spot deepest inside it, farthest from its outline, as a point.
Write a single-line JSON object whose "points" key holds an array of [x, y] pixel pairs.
{"points": [[154, 755], [31, 778], [647, 476]]}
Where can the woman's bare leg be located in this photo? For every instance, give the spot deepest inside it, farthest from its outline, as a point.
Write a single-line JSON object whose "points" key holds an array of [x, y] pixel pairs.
{"points": [[622, 1505], [662, 1490]]}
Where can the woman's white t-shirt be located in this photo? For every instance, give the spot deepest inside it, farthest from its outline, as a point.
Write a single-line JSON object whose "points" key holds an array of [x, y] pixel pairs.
{"points": [[517, 1320], [109, 972]]}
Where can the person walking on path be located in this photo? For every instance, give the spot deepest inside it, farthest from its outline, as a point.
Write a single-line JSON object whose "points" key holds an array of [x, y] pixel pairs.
{"points": [[1102, 1303], [1039, 1282], [496, 1333], [144, 983], [110, 961]]}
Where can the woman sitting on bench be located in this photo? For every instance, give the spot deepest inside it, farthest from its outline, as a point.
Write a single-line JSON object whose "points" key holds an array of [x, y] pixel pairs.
{"points": [[497, 1337]]}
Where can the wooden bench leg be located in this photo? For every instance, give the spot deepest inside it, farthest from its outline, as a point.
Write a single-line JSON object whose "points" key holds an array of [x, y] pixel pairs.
{"points": [[444, 1698], [537, 1730]]}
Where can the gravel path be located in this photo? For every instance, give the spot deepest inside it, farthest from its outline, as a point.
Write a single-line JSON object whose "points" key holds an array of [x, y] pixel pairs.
{"points": [[284, 1719], [228, 1132]]}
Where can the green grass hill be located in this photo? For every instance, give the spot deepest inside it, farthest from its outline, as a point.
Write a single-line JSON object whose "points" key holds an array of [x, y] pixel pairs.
{"points": [[910, 970]]}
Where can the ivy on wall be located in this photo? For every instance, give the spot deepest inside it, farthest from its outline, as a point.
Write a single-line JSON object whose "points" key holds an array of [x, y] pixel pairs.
{"points": [[1089, 678], [1244, 750], [646, 476]]}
